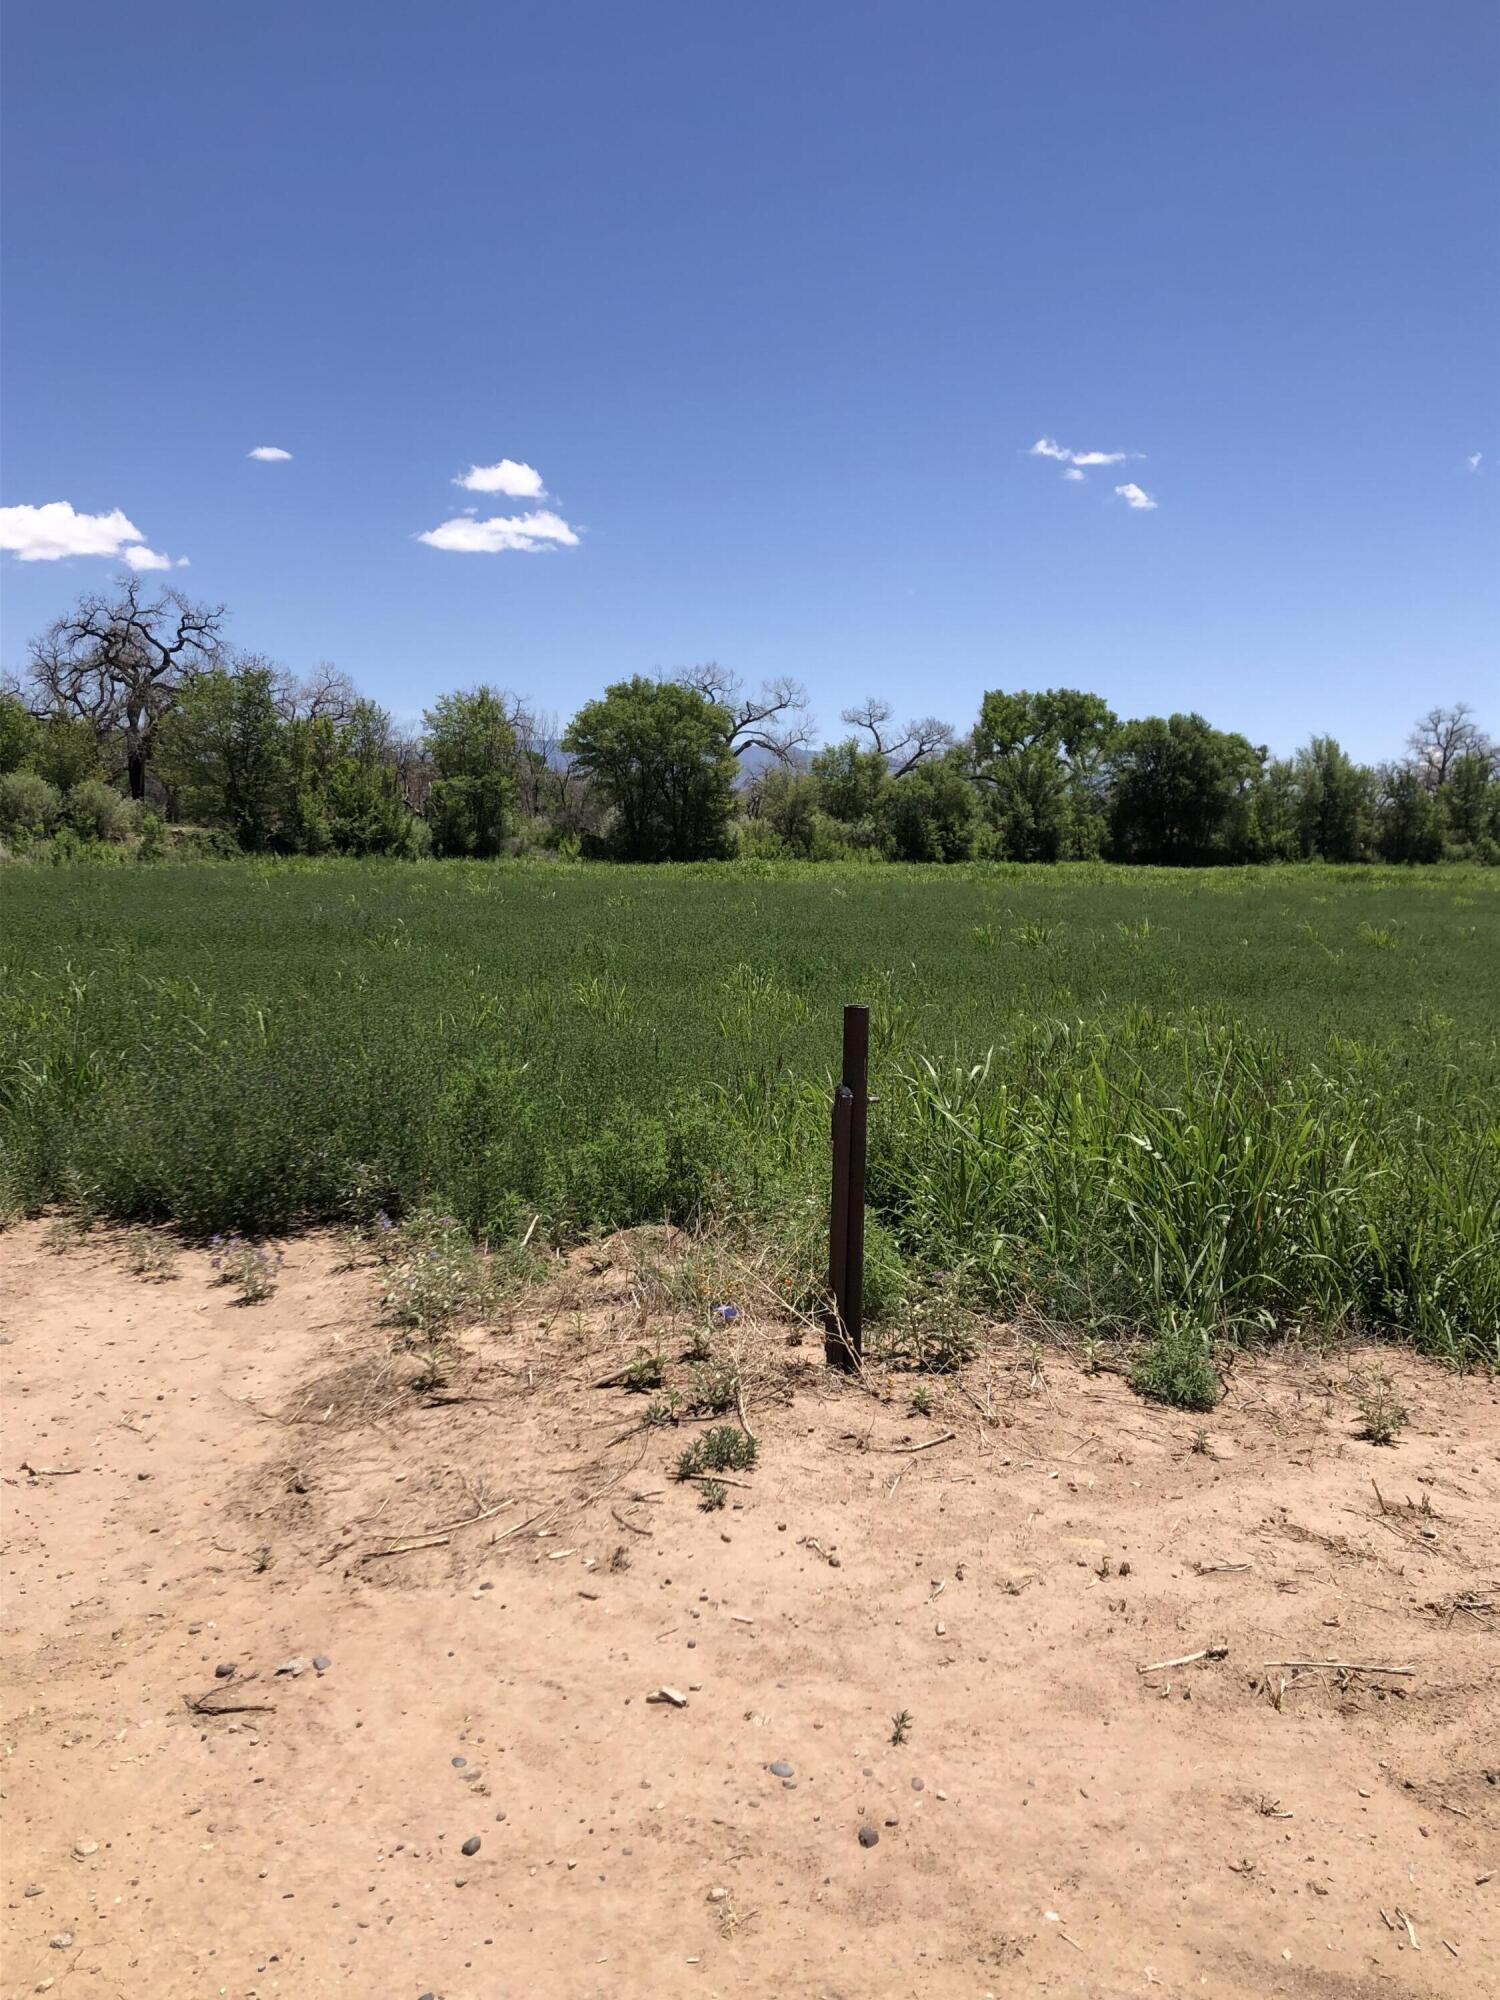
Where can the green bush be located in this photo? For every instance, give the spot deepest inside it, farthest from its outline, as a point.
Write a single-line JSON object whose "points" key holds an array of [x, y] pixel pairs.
{"points": [[29, 807]]}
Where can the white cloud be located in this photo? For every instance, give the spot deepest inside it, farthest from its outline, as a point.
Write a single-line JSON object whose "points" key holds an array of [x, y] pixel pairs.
{"points": [[514, 480], [272, 454], [1133, 496], [527, 533], [54, 532], [1474, 460], [1072, 473], [1046, 447]]}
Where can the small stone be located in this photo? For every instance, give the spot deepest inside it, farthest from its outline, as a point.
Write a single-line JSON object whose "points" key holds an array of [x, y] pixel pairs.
{"points": [[789, 1784], [61, 1941], [718, 1895], [222, 1673], [82, 1849], [669, 1696], [33, 1888], [894, 1820], [294, 1666], [780, 1769], [919, 1784], [471, 1845], [458, 1762], [322, 1662], [868, 1837]]}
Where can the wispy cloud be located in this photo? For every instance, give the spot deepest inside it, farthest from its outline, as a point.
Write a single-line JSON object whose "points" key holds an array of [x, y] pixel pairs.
{"points": [[1135, 497], [1073, 473], [54, 532], [509, 476], [525, 533], [271, 454], [1046, 447], [1474, 460]]}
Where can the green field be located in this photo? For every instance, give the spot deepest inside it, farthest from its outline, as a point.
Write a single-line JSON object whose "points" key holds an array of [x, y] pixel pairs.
{"points": [[1221, 1099]]}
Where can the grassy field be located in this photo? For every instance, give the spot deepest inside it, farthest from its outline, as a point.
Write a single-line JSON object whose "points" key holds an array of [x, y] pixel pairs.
{"points": [[1203, 1102]]}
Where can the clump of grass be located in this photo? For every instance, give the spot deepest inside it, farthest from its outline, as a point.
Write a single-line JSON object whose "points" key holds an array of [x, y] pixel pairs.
{"points": [[643, 1371], [1383, 1416], [1177, 1367], [149, 1254], [724, 1448], [662, 1410], [901, 1723], [250, 1267], [921, 1401], [712, 1493]]}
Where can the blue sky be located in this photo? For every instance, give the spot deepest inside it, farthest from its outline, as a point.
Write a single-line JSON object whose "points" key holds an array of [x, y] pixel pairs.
{"points": [[775, 301]]}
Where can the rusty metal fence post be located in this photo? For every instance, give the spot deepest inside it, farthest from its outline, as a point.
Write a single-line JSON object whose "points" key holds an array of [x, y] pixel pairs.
{"points": [[846, 1220]]}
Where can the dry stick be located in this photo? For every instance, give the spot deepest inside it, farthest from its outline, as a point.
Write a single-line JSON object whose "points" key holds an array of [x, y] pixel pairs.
{"points": [[1341, 1667], [1187, 1659], [630, 1524], [436, 1537], [205, 1704], [947, 1438], [739, 1404], [1216, 1569], [50, 1471]]}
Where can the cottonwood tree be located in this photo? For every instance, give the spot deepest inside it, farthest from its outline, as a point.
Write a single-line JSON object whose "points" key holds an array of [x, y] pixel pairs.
{"points": [[1441, 738], [916, 744], [472, 797], [1039, 760], [118, 661], [661, 754], [774, 720]]}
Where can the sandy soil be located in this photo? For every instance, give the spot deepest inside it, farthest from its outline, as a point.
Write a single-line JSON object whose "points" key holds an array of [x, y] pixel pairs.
{"points": [[189, 1482]]}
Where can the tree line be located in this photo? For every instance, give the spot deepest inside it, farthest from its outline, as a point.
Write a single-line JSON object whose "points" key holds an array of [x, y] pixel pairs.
{"points": [[138, 722]]}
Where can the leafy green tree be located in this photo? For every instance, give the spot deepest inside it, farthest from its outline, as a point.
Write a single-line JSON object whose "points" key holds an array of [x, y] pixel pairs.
{"points": [[222, 751], [1039, 762], [787, 803], [852, 782], [19, 730], [1471, 808], [366, 811], [96, 811], [1409, 817], [659, 752], [1333, 803], [471, 741], [1183, 791], [931, 814]]}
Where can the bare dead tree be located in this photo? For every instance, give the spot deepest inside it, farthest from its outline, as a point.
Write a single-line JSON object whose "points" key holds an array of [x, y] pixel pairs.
{"points": [[1441, 737], [774, 720], [916, 744], [326, 694], [117, 662]]}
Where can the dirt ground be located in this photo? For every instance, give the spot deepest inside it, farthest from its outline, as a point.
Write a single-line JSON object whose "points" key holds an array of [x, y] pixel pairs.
{"points": [[190, 1483]]}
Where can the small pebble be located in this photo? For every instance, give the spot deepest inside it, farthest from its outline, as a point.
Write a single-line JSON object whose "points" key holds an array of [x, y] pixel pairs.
{"points": [[294, 1666], [471, 1845], [868, 1837], [780, 1769], [919, 1784], [33, 1888], [63, 1941], [718, 1895], [222, 1673], [82, 1849], [322, 1662], [789, 1784], [458, 1762]]}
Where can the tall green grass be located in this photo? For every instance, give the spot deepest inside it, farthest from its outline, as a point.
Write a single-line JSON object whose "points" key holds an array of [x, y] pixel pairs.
{"points": [[1127, 1099]]}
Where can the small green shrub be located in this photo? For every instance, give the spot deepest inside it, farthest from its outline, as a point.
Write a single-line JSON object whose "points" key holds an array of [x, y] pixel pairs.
{"points": [[29, 806], [1177, 1367], [715, 1389], [712, 1493], [643, 1371], [1383, 1416], [722, 1449], [250, 1267]]}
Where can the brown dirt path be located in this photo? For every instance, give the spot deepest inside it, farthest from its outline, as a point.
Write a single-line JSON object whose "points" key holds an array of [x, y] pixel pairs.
{"points": [[210, 1484]]}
